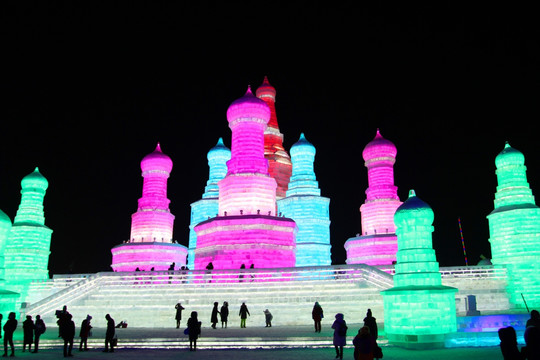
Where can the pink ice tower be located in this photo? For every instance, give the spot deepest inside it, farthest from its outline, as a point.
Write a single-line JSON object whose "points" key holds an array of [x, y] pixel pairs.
{"points": [[246, 230], [377, 245], [151, 244]]}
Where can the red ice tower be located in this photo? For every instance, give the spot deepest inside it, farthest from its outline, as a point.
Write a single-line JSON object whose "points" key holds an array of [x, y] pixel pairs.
{"points": [[377, 245], [279, 161]]}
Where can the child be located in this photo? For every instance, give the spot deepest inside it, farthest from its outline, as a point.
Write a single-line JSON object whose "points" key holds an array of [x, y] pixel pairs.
{"points": [[268, 317]]}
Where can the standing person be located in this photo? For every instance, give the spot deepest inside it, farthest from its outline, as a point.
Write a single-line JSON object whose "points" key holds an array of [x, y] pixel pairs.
{"points": [[9, 328], [178, 316], [340, 335], [244, 313], [371, 323], [39, 329], [85, 333], [109, 334], [241, 276], [317, 315], [224, 314], [534, 320], [68, 334], [28, 333], [268, 318], [214, 317], [363, 344], [194, 330], [509, 347], [1, 317]]}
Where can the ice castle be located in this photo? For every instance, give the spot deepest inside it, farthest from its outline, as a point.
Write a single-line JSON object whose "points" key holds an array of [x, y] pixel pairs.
{"points": [[264, 208]]}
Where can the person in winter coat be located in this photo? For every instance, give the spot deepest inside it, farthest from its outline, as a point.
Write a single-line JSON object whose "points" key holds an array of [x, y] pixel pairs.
{"points": [[28, 333], [268, 317], [9, 328], [68, 334], [244, 313], [224, 314], [363, 344], [509, 347], [109, 334], [371, 323], [39, 329], [340, 335], [178, 316], [317, 315], [85, 333], [214, 317], [194, 330]]}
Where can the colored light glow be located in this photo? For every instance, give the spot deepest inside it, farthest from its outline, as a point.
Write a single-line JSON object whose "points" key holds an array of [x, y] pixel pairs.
{"points": [[5, 228], [514, 227], [245, 232], [377, 244], [419, 311], [208, 206], [279, 162], [145, 256], [26, 253], [307, 208]]}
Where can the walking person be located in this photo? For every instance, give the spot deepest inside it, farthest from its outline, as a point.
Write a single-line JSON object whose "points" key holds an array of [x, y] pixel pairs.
{"points": [[68, 334], [28, 333], [214, 316], [109, 334], [243, 313], [39, 329], [84, 334], [340, 335], [268, 318], [178, 316], [194, 330], [317, 315], [9, 328], [224, 314]]}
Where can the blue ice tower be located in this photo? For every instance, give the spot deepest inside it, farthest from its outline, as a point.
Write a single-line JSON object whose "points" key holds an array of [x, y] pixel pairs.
{"points": [[305, 205], [207, 207]]}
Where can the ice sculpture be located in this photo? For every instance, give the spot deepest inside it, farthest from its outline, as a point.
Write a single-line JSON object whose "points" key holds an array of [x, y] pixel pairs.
{"points": [[418, 311]]}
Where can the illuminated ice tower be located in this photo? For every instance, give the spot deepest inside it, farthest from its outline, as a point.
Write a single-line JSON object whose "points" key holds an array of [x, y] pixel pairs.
{"points": [[8, 298], [246, 230], [151, 243], [307, 207], [514, 228], [377, 244], [418, 310], [208, 206], [26, 254], [279, 162]]}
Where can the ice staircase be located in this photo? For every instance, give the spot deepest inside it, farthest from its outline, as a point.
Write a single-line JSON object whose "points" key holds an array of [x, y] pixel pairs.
{"points": [[147, 299]]}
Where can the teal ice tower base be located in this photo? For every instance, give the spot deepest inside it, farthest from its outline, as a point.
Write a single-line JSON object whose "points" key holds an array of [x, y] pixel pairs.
{"points": [[418, 311], [514, 228], [8, 299]]}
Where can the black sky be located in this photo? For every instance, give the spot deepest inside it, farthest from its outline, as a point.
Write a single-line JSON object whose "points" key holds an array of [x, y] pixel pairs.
{"points": [[89, 88]]}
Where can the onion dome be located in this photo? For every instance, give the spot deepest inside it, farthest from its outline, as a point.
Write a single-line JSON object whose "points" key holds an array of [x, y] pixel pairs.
{"points": [[5, 221], [248, 107], [379, 147], [34, 180], [156, 161], [413, 209], [220, 150], [509, 156], [266, 90], [302, 146]]}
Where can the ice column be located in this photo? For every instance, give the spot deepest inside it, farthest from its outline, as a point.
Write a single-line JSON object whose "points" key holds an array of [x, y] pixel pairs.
{"points": [[305, 205], [377, 244], [514, 228], [418, 311]]}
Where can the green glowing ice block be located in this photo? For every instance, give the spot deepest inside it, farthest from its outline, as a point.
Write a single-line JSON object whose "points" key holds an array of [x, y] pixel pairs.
{"points": [[514, 228], [418, 311]]}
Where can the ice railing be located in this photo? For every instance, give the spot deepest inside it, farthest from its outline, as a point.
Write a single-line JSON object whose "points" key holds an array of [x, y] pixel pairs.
{"points": [[489, 272]]}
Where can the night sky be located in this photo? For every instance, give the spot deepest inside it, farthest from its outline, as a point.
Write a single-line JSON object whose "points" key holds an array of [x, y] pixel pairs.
{"points": [[88, 90]]}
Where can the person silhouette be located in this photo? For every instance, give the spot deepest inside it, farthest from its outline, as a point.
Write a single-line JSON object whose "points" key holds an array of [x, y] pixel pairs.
{"points": [[28, 333], [340, 334], [268, 318], [109, 334], [194, 330], [9, 328], [214, 316], [178, 315], [224, 314], [85, 333], [243, 313], [39, 329], [508, 345], [317, 315], [68, 334]]}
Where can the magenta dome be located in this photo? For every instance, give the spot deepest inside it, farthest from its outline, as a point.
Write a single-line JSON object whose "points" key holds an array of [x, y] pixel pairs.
{"points": [[266, 90], [248, 107], [156, 161], [379, 147]]}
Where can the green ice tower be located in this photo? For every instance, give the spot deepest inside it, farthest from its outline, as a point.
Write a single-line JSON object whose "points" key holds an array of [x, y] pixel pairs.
{"points": [[27, 250], [514, 228], [8, 298], [418, 311]]}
